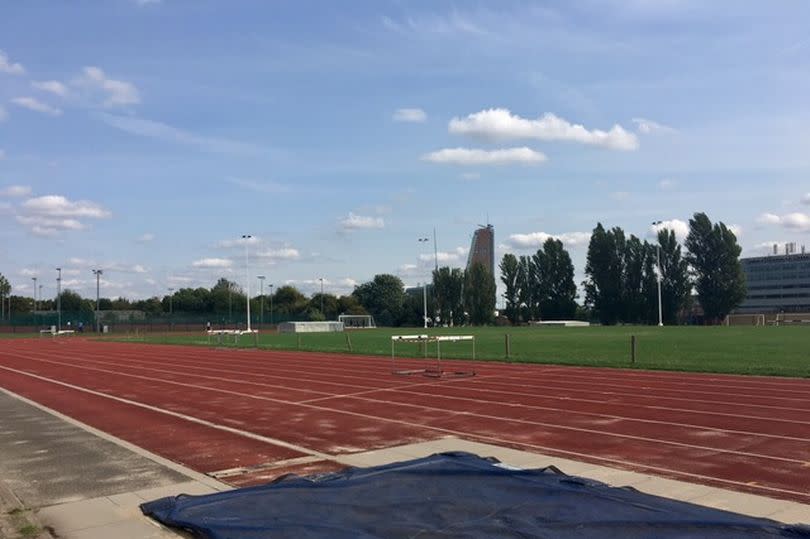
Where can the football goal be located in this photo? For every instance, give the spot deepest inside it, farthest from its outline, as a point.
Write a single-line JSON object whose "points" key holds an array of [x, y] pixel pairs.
{"points": [[357, 321], [745, 320]]}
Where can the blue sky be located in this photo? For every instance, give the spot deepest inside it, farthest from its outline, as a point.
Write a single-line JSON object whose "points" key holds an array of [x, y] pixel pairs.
{"points": [[145, 137]]}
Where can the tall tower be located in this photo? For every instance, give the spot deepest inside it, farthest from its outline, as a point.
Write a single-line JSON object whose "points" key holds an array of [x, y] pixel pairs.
{"points": [[482, 248]]}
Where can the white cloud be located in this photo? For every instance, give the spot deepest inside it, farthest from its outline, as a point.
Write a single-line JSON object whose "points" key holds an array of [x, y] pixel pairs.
{"points": [[285, 253], [59, 206], [537, 239], [137, 268], [145, 238], [167, 133], [501, 124], [469, 176], [357, 222], [410, 115], [27, 272], [806, 198], [619, 195], [681, 229], [227, 244], [116, 92], [444, 257], [769, 219], [766, 247], [49, 215], [647, 127], [467, 156], [666, 184], [53, 86], [15, 191], [6, 66], [48, 226], [34, 104], [794, 221], [212, 263]]}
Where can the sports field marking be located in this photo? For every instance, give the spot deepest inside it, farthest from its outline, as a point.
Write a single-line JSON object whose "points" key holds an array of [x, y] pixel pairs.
{"points": [[493, 439], [466, 414], [560, 385], [408, 390], [386, 374]]}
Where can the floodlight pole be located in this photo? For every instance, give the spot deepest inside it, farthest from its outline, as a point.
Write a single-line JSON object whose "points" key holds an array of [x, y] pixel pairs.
{"points": [[35, 293], [324, 315], [658, 256], [98, 273], [58, 299], [271, 304], [261, 295], [424, 287], [171, 306], [247, 237]]}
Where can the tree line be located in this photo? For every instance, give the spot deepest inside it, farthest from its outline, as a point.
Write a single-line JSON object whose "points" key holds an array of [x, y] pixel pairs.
{"points": [[621, 286], [622, 273]]}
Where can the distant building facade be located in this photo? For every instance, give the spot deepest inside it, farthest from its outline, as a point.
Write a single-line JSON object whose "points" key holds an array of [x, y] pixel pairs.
{"points": [[777, 283], [482, 248]]}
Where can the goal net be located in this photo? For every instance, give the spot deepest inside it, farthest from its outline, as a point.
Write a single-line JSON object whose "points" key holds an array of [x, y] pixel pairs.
{"points": [[357, 321], [745, 320]]}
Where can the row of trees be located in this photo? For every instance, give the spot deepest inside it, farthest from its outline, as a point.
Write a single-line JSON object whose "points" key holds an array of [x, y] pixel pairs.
{"points": [[621, 284], [540, 285]]}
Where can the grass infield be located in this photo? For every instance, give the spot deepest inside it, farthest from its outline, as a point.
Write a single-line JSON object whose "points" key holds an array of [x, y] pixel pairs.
{"points": [[783, 351]]}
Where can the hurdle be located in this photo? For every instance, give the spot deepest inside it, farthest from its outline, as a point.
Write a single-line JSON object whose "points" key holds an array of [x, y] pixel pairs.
{"points": [[437, 371]]}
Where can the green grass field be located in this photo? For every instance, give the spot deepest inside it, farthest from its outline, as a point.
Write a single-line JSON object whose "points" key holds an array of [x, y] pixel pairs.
{"points": [[783, 351]]}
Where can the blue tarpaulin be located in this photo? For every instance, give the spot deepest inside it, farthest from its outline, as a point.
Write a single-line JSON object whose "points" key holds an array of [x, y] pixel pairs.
{"points": [[451, 495]]}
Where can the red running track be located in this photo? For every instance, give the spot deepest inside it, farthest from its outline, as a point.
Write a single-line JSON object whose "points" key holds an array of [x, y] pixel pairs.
{"points": [[247, 415]]}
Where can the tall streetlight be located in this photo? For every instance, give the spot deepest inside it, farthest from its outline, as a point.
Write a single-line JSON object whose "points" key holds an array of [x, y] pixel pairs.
{"points": [[35, 293], [261, 295], [324, 314], [59, 300], [424, 285], [98, 273], [658, 256], [247, 238], [171, 306], [271, 304]]}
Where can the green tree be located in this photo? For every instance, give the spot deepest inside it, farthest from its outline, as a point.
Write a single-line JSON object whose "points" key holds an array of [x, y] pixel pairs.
{"points": [[330, 305], [634, 299], [449, 285], [289, 301], [714, 257], [350, 305], [510, 270], [5, 290], [526, 288], [382, 297], [413, 310], [676, 286], [604, 272], [479, 295], [73, 302], [555, 287]]}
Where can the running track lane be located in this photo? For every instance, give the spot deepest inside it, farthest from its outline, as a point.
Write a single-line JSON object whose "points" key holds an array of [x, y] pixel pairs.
{"points": [[748, 433]]}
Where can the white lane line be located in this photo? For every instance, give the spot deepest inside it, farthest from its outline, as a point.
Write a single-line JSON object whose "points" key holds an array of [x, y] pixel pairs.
{"points": [[494, 439], [403, 389], [466, 414], [288, 378]]}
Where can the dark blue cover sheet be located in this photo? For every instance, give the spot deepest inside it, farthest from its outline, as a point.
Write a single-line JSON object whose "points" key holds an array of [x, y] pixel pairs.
{"points": [[451, 495]]}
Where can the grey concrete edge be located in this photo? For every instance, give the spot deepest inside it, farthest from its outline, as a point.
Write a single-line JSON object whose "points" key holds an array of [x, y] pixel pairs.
{"points": [[191, 474]]}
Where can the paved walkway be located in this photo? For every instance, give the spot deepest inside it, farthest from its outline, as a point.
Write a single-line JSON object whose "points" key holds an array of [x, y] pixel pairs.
{"points": [[85, 484]]}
